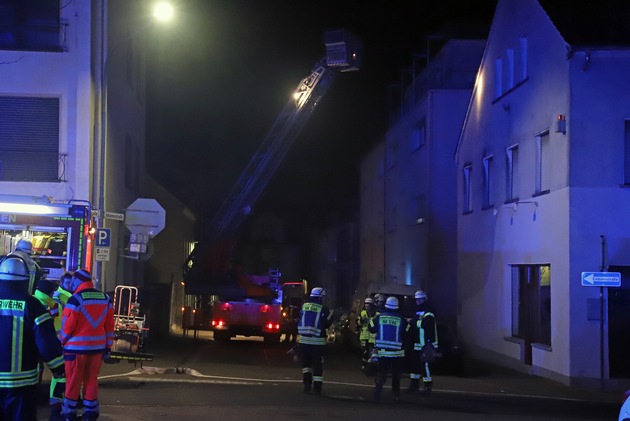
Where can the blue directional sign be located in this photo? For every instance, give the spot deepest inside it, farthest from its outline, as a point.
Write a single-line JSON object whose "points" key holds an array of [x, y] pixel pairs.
{"points": [[103, 237], [601, 279]]}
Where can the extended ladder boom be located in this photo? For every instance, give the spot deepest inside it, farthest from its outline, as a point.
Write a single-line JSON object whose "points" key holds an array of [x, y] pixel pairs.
{"points": [[341, 56]]}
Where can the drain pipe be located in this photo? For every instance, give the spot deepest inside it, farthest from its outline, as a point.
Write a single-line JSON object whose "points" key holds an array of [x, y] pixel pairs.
{"points": [[603, 268]]}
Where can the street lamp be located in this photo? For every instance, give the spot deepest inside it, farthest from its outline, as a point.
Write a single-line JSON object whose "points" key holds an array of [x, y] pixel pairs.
{"points": [[162, 12]]}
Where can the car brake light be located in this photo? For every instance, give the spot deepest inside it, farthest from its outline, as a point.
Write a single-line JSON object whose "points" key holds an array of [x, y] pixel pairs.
{"points": [[225, 307], [218, 323]]}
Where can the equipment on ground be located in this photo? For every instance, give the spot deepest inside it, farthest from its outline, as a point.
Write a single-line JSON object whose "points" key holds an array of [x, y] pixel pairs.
{"points": [[130, 329]]}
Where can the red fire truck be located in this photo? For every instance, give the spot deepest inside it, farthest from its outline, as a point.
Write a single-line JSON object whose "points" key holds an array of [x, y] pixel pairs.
{"points": [[59, 232]]}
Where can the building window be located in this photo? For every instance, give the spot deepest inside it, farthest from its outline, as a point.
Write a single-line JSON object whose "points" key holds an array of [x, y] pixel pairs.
{"points": [[626, 152], [508, 72], [418, 209], [467, 188], [488, 181], [531, 303], [520, 65], [543, 163], [512, 173], [418, 135], [29, 139], [30, 25], [498, 77]]}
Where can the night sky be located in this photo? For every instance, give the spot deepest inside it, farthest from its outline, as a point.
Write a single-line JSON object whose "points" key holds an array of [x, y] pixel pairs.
{"points": [[222, 72]]}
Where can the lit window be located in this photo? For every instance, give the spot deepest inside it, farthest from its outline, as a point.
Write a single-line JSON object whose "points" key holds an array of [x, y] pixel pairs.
{"points": [[531, 303]]}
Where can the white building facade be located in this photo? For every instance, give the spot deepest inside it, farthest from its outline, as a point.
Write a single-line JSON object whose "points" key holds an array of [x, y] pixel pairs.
{"points": [[73, 114], [408, 201], [542, 173]]}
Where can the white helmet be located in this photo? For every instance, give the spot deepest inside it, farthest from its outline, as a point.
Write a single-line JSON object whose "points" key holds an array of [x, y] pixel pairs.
{"points": [[391, 303], [318, 292], [420, 295], [14, 268], [379, 298], [369, 300]]}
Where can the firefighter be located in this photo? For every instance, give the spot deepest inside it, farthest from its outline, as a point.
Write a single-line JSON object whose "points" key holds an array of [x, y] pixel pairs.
{"points": [[87, 335], [425, 342], [367, 313], [44, 293], [24, 250], [20, 349], [390, 328], [314, 319]]}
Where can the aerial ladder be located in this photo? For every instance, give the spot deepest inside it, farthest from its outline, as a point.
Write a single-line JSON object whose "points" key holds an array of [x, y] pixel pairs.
{"points": [[211, 255]]}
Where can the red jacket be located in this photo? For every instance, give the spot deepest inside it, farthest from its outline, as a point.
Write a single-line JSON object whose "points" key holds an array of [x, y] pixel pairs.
{"points": [[88, 321]]}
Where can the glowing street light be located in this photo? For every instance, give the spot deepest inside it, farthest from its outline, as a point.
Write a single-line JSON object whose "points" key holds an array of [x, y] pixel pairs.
{"points": [[162, 12]]}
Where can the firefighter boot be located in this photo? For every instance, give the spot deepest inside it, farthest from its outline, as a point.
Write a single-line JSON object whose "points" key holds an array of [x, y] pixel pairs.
{"points": [[378, 389], [414, 386], [317, 388], [307, 378], [428, 386]]}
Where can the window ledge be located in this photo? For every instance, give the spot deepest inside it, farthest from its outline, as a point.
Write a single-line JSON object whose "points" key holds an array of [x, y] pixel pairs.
{"points": [[513, 200], [514, 339], [467, 212], [541, 193], [544, 347]]}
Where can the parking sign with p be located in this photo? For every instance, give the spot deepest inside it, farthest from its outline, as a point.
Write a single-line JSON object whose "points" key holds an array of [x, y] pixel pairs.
{"points": [[103, 237]]}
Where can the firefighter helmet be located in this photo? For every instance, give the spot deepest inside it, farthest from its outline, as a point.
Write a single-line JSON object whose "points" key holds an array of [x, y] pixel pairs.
{"points": [[369, 300], [24, 245], [379, 298], [420, 295], [14, 269], [318, 292], [391, 303]]}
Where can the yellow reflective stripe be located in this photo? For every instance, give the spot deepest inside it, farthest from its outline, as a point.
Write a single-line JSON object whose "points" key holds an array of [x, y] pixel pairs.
{"points": [[41, 319], [17, 344], [55, 362]]}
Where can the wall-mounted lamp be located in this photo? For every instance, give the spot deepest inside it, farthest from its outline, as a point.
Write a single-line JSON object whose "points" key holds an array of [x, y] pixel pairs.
{"points": [[561, 124]]}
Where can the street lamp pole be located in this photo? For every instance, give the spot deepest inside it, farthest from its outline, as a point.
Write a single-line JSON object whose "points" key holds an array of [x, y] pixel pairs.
{"points": [[162, 12]]}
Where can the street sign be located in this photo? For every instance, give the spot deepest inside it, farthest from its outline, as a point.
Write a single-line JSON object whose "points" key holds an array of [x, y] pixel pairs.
{"points": [[103, 237], [101, 254], [115, 216], [601, 279], [145, 216]]}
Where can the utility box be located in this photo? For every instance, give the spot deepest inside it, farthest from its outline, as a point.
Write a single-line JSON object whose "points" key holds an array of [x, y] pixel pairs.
{"points": [[343, 50]]}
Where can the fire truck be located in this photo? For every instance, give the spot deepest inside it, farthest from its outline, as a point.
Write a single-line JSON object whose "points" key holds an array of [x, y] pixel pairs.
{"points": [[208, 270], [61, 238], [250, 315], [59, 232]]}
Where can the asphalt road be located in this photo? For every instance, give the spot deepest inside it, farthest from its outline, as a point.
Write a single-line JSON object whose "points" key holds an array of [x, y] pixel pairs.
{"points": [[204, 380]]}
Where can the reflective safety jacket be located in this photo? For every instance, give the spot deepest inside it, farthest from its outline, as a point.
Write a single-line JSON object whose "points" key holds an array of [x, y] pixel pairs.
{"points": [[26, 332], [88, 321], [314, 319], [364, 321], [390, 328], [426, 330], [53, 309]]}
